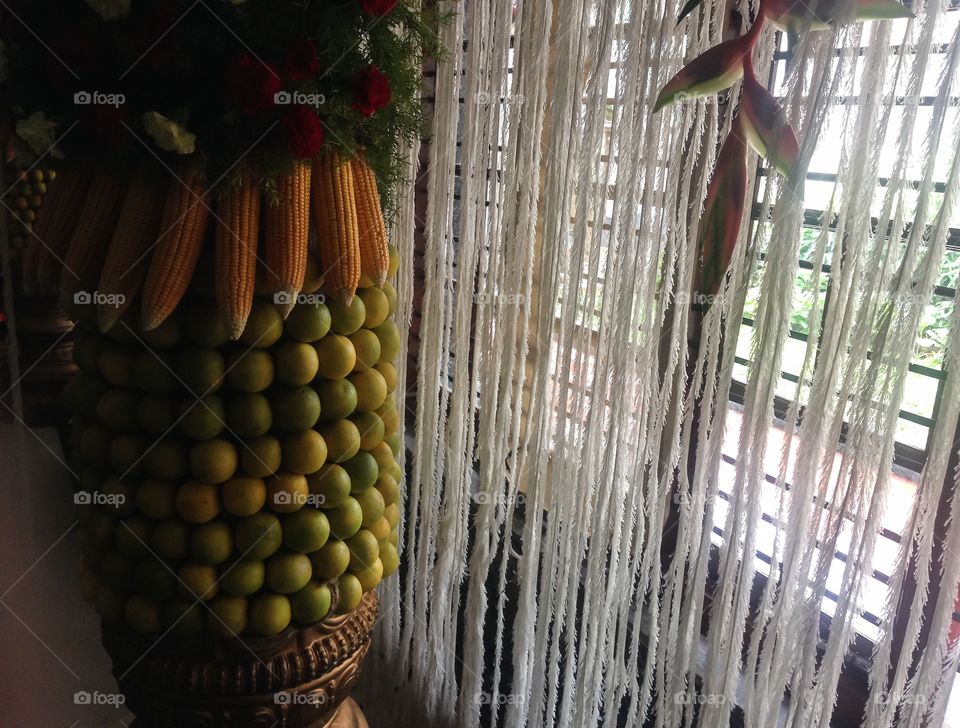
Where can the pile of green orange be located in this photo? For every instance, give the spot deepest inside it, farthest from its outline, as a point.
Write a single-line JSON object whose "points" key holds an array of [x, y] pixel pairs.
{"points": [[238, 487]]}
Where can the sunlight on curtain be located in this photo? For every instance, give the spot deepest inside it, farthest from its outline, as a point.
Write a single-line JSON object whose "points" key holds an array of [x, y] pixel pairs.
{"points": [[560, 244]]}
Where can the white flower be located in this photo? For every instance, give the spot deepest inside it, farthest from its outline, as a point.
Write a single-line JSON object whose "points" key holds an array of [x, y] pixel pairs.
{"points": [[40, 134], [168, 134], [110, 9]]}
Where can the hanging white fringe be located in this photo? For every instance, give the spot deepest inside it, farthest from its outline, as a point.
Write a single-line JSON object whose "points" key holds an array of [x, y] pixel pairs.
{"points": [[554, 371]]}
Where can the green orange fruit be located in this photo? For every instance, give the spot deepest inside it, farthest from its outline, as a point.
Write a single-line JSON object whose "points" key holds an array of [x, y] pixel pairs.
{"points": [[260, 456], [295, 408], [258, 536], [297, 363], [363, 471], [305, 531], [198, 581], [264, 326], [343, 440], [330, 485], [250, 371], [243, 495], [269, 614], [211, 543], [227, 616], [304, 452], [350, 592], [330, 561], [288, 572], [336, 357], [242, 578], [198, 502], [213, 461], [311, 604]]}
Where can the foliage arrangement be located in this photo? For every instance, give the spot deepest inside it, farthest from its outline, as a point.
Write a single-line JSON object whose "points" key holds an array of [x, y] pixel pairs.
{"points": [[239, 88], [759, 121]]}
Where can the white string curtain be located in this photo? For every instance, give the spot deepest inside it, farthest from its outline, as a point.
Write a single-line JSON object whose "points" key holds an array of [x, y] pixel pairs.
{"points": [[555, 371]]}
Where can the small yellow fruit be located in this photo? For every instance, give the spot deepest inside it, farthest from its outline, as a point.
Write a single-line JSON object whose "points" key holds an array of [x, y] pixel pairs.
{"points": [[304, 452], [330, 561], [250, 371], [244, 495], [336, 357], [371, 429], [308, 322], [296, 363], [371, 389], [198, 581], [389, 558], [258, 536], [227, 616], [330, 486], [367, 346], [344, 320], [269, 614], [242, 578], [288, 573], [371, 576], [211, 543], [264, 326], [249, 415], [213, 461], [376, 306], [286, 492], [312, 603], [260, 456], [391, 293], [198, 502], [350, 592], [343, 440]]}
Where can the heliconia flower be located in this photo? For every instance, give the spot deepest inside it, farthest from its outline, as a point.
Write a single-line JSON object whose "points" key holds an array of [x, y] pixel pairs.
{"points": [[713, 70], [796, 17], [723, 210], [766, 125]]}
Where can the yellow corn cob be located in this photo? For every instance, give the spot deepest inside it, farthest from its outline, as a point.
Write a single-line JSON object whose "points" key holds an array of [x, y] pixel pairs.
{"points": [[335, 212], [237, 230], [128, 255], [374, 250], [183, 225], [94, 228], [286, 234], [55, 222]]}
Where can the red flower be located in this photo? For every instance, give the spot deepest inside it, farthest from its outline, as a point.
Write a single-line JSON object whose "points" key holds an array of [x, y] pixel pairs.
{"points": [[304, 132], [378, 8], [253, 85], [301, 62], [371, 91]]}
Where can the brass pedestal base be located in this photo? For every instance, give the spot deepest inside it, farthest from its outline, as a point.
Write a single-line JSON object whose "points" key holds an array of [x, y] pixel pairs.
{"points": [[299, 679], [348, 715]]}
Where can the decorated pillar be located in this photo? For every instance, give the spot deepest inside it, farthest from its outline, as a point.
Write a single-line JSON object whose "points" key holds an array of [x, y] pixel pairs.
{"points": [[216, 229]]}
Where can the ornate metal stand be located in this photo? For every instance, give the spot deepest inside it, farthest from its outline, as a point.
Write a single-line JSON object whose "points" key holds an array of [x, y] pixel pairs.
{"points": [[299, 679]]}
